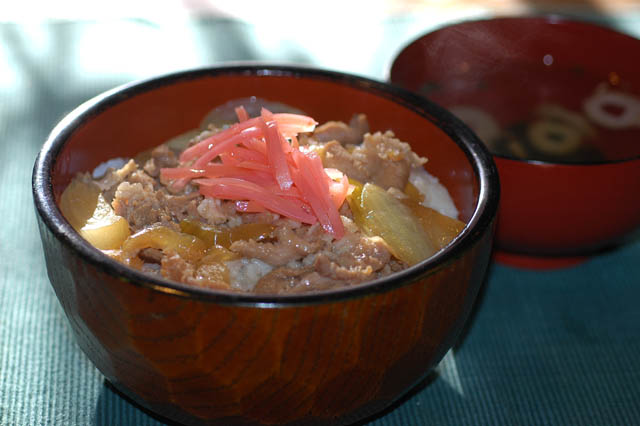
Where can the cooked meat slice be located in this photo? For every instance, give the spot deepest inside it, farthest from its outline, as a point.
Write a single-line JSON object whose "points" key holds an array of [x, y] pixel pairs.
{"points": [[394, 265], [381, 158], [332, 131], [396, 157], [313, 281], [271, 253], [288, 247], [141, 204], [138, 204], [175, 268], [353, 164], [341, 132], [353, 259], [140, 176], [161, 157], [179, 207], [360, 126], [293, 280], [304, 244], [358, 250], [351, 274], [113, 177]]}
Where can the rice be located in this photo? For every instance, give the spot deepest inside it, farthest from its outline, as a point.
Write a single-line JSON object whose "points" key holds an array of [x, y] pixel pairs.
{"points": [[435, 194], [245, 273]]}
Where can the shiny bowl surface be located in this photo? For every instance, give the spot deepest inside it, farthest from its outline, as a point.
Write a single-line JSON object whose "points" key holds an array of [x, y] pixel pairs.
{"points": [[506, 66], [203, 357]]}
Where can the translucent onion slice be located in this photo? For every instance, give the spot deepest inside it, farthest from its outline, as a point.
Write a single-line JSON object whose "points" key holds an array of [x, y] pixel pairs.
{"points": [[378, 213]]}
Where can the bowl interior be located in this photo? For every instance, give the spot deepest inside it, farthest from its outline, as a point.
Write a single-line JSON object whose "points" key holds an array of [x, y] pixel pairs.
{"points": [[144, 116], [512, 73]]}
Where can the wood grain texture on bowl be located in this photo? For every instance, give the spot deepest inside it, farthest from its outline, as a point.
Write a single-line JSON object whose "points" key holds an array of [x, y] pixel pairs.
{"points": [[203, 363], [204, 357]]}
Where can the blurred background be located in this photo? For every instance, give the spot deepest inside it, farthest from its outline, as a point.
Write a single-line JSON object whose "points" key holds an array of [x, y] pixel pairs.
{"points": [[55, 55], [60, 53], [119, 40]]}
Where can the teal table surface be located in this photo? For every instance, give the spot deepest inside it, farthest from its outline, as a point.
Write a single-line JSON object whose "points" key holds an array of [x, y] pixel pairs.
{"points": [[555, 347]]}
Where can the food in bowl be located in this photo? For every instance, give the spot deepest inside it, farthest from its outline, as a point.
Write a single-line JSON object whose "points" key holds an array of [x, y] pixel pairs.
{"points": [[556, 101], [552, 127], [267, 204], [197, 356]]}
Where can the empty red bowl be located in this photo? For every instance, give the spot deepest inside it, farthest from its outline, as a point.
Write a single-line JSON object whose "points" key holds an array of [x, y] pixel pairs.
{"points": [[530, 87]]}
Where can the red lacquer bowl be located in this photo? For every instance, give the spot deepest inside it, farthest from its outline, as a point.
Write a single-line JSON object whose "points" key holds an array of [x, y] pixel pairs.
{"points": [[552, 208], [203, 357]]}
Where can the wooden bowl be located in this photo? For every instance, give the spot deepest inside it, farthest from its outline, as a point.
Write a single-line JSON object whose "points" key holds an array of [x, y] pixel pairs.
{"points": [[506, 67], [203, 357]]}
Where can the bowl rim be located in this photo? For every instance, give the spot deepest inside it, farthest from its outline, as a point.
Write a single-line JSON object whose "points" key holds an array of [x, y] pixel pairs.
{"points": [[479, 158], [540, 18]]}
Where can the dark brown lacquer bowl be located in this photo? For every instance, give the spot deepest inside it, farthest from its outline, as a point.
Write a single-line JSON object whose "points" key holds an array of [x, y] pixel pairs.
{"points": [[204, 357]]}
